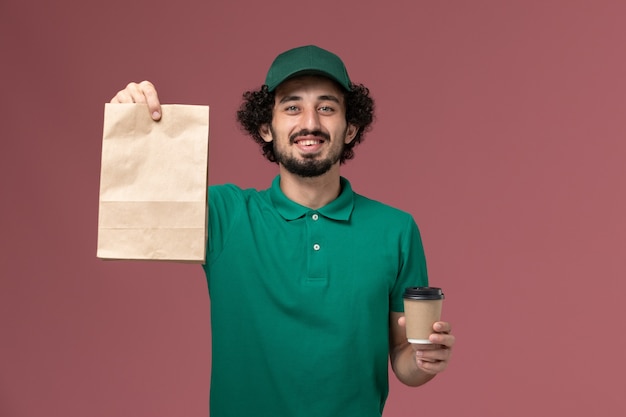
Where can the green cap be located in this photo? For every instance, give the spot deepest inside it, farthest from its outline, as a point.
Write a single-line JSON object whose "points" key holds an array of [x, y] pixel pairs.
{"points": [[307, 60]]}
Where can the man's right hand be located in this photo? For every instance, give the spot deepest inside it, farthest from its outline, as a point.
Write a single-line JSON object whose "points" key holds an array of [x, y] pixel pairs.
{"points": [[143, 92]]}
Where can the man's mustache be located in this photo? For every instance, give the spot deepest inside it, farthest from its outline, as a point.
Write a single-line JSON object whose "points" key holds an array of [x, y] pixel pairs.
{"points": [[306, 132]]}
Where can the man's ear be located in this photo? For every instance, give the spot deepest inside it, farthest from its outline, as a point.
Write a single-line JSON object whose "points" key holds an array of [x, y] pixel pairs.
{"points": [[266, 133], [351, 132]]}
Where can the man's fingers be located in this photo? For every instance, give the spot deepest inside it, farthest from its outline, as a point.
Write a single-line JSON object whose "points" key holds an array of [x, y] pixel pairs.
{"points": [[433, 360], [432, 367], [122, 97], [143, 92], [442, 327], [444, 339], [151, 98]]}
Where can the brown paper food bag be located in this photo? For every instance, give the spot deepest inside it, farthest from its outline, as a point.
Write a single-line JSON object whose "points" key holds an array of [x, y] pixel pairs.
{"points": [[153, 183]]}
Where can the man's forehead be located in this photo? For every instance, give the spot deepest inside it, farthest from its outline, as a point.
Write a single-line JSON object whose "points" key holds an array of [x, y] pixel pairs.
{"points": [[307, 84]]}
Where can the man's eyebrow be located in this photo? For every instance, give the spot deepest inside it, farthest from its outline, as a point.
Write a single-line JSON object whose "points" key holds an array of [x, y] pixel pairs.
{"points": [[298, 98], [290, 98], [329, 98]]}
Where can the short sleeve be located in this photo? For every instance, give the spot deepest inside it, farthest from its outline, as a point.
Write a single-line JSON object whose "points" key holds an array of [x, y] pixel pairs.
{"points": [[225, 203], [412, 270]]}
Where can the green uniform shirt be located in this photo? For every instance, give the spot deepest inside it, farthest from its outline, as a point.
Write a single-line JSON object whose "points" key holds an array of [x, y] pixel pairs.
{"points": [[300, 301]]}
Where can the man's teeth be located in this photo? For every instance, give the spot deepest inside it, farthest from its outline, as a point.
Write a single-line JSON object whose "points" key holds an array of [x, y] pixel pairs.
{"points": [[308, 142]]}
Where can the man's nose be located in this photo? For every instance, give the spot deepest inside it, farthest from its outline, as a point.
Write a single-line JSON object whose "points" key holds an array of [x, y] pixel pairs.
{"points": [[311, 119]]}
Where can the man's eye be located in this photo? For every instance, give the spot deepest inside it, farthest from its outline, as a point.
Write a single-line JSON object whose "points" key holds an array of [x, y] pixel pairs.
{"points": [[291, 108], [326, 109]]}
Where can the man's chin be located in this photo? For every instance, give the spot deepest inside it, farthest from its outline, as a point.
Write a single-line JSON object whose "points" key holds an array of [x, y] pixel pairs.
{"points": [[311, 169]]}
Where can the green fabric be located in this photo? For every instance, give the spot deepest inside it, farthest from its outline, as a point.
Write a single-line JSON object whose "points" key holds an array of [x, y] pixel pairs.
{"points": [[311, 60], [301, 330]]}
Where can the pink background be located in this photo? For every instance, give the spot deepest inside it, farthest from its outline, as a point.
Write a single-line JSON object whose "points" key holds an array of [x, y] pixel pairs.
{"points": [[501, 127]]}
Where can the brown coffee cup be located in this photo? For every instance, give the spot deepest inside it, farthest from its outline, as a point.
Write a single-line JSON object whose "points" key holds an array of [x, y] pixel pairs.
{"points": [[422, 308]]}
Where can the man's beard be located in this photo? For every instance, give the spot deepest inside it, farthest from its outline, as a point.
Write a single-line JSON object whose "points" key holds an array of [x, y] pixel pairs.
{"points": [[308, 167]]}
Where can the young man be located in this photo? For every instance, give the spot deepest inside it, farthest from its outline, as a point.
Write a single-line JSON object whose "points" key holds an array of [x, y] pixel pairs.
{"points": [[306, 277]]}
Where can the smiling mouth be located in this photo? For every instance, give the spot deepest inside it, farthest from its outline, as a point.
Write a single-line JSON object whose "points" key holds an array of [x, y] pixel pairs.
{"points": [[309, 142], [307, 137]]}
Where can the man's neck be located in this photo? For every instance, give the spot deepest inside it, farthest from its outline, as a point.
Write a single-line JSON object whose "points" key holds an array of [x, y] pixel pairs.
{"points": [[312, 192]]}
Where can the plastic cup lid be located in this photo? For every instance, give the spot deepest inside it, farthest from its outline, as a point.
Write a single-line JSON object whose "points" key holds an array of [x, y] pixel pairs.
{"points": [[423, 293]]}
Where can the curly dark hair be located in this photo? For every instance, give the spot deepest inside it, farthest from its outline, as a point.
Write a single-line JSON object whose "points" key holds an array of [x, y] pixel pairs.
{"points": [[257, 106]]}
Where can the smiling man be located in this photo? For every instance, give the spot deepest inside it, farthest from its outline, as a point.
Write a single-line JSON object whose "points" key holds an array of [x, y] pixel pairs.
{"points": [[306, 277], [310, 114], [308, 132]]}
